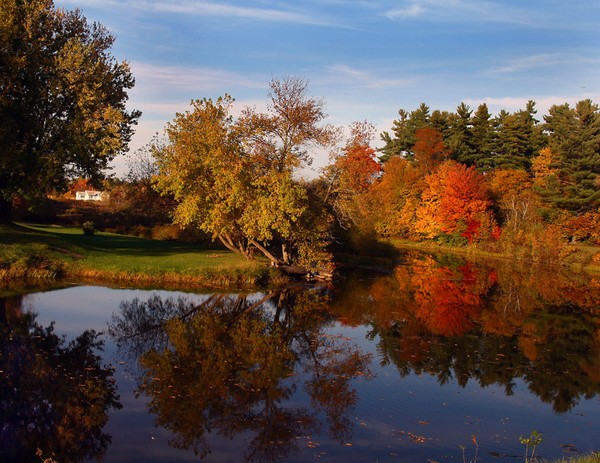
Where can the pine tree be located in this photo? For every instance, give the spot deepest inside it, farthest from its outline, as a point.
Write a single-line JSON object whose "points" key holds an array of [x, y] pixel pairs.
{"points": [[575, 140], [404, 130]]}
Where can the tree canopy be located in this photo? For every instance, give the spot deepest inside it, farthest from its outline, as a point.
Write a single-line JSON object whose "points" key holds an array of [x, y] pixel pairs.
{"points": [[62, 100], [235, 179]]}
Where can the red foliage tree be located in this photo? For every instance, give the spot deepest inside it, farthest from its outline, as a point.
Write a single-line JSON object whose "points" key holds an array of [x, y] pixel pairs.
{"points": [[454, 200], [356, 168], [429, 149]]}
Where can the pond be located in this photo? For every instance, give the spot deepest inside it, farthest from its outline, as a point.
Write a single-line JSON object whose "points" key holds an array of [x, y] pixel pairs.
{"points": [[439, 359]]}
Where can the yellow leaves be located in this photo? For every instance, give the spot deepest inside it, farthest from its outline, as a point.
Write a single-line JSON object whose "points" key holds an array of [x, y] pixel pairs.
{"points": [[542, 166]]}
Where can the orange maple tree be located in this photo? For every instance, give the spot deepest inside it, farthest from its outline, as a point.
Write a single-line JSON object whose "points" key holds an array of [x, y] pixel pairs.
{"points": [[455, 199], [356, 167]]}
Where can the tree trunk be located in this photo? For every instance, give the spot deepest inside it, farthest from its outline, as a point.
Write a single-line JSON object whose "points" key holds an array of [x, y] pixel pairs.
{"points": [[229, 244], [267, 254], [284, 254]]}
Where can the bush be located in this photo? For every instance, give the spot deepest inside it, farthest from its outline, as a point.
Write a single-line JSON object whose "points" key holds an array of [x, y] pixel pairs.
{"points": [[88, 227], [166, 233]]}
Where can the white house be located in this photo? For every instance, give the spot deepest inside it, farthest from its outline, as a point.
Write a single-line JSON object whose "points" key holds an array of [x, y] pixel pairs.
{"points": [[90, 195]]}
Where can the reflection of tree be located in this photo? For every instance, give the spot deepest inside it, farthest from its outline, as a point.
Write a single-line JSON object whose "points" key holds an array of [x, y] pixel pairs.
{"points": [[233, 364], [54, 395], [448, 300], [458, 320]]}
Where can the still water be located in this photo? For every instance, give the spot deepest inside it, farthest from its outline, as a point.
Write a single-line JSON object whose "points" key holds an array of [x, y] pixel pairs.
{"points": [[439, 360]]}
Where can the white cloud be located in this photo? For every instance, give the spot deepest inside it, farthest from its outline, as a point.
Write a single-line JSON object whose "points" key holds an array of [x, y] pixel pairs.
{"points": [[342, 73], [540, 60], [410, 11], [173, 79], [542, 103], [203, 8], [465, 11]]}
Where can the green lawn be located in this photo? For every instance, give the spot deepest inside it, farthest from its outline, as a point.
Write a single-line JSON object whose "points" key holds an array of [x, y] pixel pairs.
{"points": [[593, 458], [118, 257]]}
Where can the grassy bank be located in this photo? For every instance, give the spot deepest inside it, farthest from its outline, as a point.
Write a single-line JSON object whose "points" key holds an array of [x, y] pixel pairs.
{"points": [[36, 252], [593, 458], [580, 257]]}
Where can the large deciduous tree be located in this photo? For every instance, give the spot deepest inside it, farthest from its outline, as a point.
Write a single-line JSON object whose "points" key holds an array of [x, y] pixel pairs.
{"points": [[62, 100], [236, 179], [203, 167]]}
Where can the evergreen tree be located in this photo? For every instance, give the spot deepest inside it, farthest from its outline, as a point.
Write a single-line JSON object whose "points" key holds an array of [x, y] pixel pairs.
{"points": [[574, 137], [404, 130], [460, 136], [519, 138], [483, 138]]}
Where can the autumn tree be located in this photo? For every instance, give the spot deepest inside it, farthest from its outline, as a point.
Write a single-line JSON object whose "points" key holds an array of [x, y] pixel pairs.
{"points": [[395, 198], [62, 100], [455, 200], [281, 138], [352, 171], [236, 179], [202, 166], [429, 149]]}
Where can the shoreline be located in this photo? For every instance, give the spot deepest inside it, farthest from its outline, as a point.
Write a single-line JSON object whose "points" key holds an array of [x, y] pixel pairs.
{"points": [[41, 254]]}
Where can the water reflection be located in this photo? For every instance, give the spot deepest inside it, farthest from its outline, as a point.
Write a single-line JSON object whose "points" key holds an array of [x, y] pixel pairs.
{"points": [[54, 396], [458, 321], [235, 364]]}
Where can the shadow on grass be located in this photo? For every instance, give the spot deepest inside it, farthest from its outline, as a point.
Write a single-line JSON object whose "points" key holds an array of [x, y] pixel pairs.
{"points": [[101, 242]]}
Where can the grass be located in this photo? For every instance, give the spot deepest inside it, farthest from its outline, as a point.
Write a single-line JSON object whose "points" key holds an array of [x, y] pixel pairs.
{"points": [[50, 251], [592, 458], [581, 257]]}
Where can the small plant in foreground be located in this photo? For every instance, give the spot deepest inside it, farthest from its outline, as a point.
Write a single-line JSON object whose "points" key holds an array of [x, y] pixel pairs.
{"points": [[533, 440], [476, 457], [40, 454], [88, 228]]}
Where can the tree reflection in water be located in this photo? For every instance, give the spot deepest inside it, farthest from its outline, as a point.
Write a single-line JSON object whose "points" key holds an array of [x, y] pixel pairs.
{"points": [[54, 396], [455, 320], [233, 364]]}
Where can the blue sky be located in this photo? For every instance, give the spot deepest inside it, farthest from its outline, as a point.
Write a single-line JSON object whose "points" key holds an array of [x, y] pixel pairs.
{"points": [[366, 58]]}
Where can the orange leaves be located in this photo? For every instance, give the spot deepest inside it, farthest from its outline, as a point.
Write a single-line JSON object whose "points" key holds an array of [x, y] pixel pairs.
{"points": [[396, 197], [429, 148], [447, 301], [358, 167], [355, 168], [455, 197]]}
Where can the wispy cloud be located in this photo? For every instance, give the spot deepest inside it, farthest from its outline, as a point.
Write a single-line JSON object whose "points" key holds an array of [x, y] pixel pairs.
{"points": [[542, 103], [205, 8], [172, 79], [463, 11], [538, 61], [409, 11], [342, 73]]}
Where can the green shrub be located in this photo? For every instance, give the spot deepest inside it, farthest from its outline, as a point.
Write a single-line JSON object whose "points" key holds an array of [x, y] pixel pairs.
{"points": [[89, 228]]}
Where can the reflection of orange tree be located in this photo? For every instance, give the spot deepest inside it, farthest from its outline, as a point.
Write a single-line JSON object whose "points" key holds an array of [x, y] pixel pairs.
{"points": [[447, 301], [54, 395], [522, 322], [230, 364]]}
